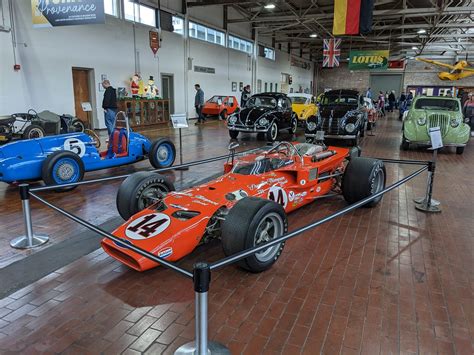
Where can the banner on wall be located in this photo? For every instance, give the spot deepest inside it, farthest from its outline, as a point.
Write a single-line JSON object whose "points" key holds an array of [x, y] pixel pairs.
{"points": [[297, 62], [367, 60], [54, 13]]}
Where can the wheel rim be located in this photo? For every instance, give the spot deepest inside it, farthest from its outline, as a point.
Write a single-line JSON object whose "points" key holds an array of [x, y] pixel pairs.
{"points": [[294, 125], [377, 182], [35, 133], [270, 227], [164, 154], [65, 171], [152, 194], [274, 131]]}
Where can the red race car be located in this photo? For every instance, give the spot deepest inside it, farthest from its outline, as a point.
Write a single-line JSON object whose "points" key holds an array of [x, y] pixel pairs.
{"points": [[221, 106], [246, 206]]}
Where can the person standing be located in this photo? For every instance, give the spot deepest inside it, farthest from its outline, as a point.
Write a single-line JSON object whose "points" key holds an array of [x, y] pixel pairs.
{"points": [[199, 103], [245, 96], [381, 103], [391, 101], [368, 94], [109, 104], [468, 110]]}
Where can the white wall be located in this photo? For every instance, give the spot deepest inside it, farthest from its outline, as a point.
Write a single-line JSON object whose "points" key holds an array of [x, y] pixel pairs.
{"points": [[45, 78]]}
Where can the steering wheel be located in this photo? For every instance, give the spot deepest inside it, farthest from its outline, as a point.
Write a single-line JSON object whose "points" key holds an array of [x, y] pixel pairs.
{"points": [[34, 113], [94, 136]]}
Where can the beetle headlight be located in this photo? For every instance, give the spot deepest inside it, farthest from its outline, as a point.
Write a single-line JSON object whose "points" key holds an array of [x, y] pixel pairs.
{"points": [[232, 119], [455, 122], [263, 121], [421, 120], [350, 127], [311, 125]]}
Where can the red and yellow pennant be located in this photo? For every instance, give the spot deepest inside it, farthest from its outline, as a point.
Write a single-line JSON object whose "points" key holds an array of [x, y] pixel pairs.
{"points": [[346, 17]]}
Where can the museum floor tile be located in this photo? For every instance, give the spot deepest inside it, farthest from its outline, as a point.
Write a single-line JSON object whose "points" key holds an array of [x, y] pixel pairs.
{"points": [[376, 281]]}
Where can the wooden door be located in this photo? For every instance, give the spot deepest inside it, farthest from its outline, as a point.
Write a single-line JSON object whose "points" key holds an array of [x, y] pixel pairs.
{"points": [[80, 82]]}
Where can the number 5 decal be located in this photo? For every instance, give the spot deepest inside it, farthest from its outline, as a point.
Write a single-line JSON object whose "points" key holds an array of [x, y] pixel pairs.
{"points": [[76, 146]]}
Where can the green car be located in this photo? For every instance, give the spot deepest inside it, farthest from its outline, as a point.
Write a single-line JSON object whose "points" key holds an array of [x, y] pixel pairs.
{"points": [[431, 111]]}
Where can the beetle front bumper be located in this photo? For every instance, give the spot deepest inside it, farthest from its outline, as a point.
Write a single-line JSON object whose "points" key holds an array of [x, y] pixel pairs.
{"points": [[242, 128]]}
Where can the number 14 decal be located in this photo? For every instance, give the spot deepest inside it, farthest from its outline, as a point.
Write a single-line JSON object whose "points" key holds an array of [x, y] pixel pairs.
{"points": [[148, 226]]}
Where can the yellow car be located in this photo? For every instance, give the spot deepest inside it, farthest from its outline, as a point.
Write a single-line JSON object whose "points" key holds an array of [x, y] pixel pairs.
{"points": [[304, 105]]}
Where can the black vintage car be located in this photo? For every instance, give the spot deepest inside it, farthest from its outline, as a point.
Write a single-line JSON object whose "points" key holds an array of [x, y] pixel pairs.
{"points": [[341, 115], [265, 114]]}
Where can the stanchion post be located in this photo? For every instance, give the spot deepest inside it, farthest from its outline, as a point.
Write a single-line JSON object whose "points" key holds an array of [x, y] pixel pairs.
{"points": [[201, 345], [427, 203], [29, 240], [181, 153]]}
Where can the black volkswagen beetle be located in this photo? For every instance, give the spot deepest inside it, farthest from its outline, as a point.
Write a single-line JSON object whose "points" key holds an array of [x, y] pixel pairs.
{"points": [[265, 114], [341, 115]]}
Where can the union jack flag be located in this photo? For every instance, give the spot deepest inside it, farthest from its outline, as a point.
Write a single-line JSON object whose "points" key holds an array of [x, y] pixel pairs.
{"points": [[331, 52]]}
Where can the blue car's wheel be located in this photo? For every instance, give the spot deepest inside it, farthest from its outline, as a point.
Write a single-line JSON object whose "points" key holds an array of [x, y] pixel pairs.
{"points": [[62, 167], [162, 153]]}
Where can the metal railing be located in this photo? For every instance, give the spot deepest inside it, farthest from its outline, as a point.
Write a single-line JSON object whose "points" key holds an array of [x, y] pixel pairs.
{"points": [[201, 273]]}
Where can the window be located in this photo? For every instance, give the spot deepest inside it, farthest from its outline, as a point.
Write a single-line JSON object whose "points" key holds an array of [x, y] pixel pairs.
{"points": [[269, 53], [205, 33], [139, 13], [110, 7], [239, 44], [178, 25]]}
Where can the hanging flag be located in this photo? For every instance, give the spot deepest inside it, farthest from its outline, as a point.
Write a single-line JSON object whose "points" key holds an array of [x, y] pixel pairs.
{"points": [[346, 17], [366, 12], [331, 52]]}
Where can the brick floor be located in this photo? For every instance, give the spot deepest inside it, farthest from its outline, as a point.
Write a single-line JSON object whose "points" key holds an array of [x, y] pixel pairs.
{"points": [[376, 281]]}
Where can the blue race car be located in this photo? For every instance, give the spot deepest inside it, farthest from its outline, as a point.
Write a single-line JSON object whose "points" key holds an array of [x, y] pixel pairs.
{"points": [[65, 158]]}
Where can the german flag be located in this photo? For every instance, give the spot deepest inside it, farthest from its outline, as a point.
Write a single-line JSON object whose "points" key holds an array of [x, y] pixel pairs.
{"points": [[352, 17]]}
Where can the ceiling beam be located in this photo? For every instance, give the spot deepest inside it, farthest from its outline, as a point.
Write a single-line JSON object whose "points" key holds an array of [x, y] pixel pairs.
{"points": [[218, 2]]}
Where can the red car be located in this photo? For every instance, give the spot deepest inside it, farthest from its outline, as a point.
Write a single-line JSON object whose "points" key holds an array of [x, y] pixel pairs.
{"points": [[221, 106], [244, 207]]}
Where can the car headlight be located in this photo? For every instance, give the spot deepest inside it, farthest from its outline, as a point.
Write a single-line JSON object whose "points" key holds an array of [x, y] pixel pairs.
{"points": [[311, 126], [263, 121], [421, 120], [350, 127], [455, 122], [232, 119]]}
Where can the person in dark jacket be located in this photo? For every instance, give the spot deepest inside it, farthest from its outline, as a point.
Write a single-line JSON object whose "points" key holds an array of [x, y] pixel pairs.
{"points": [[109, 104], [245, 96], [391, 101], [199, 103]]}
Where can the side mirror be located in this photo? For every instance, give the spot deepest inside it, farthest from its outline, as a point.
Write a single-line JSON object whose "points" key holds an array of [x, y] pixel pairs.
{"points": [[233, 146]]}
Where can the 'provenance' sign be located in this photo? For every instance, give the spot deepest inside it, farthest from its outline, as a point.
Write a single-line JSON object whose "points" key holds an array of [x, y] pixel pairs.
{"points": [[53, 13], [363, 60]]}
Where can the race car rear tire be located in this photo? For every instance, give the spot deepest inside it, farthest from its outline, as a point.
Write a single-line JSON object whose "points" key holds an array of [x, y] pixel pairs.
{"points": [[233, 134], [62, 167], [140, 190], [162, 153], [250, 222], [33, 131], [362, 178]]}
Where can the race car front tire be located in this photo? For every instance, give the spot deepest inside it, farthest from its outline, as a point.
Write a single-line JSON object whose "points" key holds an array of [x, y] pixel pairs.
{"points": [[62, 167], [253, 221], [140, 190], [363, 177], [162, 153]]}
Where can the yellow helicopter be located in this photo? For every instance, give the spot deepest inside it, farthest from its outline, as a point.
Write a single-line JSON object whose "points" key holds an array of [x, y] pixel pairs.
{"points": [[458, 71]]}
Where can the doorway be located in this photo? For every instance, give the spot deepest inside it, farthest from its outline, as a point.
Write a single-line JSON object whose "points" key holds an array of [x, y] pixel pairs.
{"points": [[82, 93], [167, 89], [386, 82]]}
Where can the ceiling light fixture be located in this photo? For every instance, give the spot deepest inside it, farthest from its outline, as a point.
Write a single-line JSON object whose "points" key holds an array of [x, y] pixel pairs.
{"points": [[269, 6], [313, 35], [421, 31], [414, 48]]}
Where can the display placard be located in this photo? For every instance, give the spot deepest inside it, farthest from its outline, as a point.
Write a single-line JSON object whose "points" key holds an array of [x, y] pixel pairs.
{"points": [[436, 139], [179, 120], [86, 106]]}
